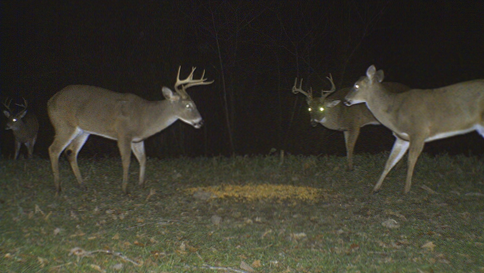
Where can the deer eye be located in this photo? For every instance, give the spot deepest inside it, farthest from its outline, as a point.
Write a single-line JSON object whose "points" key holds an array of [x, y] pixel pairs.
{"points": [[187, 106], [309, 109], [14, 120], [321, 109], [357, 86]]}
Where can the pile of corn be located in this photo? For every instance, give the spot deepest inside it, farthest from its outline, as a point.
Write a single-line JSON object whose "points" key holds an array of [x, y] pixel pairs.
{"points": [[263, 192]]}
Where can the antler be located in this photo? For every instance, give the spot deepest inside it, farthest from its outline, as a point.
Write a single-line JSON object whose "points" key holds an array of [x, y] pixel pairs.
{"points": [[188, 82], [6, 104], [333, 87], [23, 106], [296, 89]]}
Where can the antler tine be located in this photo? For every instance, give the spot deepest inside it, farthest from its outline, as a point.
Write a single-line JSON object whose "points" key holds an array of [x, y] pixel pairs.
{"points": [[190, 77], [298, 89], [23, 105], [294, 89], [203, 75], [7, 104], [178, 75], [326, 93], [200, 81], [179, 82]]}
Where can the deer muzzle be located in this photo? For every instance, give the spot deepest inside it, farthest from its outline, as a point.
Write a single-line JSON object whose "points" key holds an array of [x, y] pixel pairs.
{"points": [[198, 124]]}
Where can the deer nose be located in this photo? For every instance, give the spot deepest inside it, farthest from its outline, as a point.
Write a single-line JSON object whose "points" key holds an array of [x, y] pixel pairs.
{"points": [[198, 124]]}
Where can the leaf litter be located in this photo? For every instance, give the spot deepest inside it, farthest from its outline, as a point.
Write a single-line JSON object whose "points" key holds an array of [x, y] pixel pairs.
{"points": [[331, 224]]}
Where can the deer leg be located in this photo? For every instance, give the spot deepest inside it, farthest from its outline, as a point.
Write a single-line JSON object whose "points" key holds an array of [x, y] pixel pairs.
{"points": [[61, 140], [30, 146], [17, 149], [138, 149], [350, 139], [71, 151], [400, 147], [125, 151], [414, 152]]}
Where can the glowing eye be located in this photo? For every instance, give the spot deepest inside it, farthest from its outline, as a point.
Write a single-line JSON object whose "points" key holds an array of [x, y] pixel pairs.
{"points": [[14, 120], [309, 109], [187, 106], [321, 109], [357, 86]]}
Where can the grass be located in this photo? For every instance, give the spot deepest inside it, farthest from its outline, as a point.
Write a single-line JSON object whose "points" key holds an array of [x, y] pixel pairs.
{"points": [[241, 214]]}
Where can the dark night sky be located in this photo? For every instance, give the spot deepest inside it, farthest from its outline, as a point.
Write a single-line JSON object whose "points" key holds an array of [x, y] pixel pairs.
{"points": [[252, 49]]}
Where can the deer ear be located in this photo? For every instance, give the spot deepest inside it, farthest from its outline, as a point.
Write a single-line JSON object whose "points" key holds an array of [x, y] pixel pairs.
{"points": [[169, 95], [374, 75], [379, 75], [6, 113], [370, 72]]}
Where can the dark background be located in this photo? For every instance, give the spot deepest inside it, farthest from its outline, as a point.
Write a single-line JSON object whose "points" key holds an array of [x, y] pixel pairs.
{"points": [[252, 49]]}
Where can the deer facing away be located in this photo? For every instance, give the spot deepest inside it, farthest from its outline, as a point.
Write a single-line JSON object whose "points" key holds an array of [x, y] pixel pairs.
{"points": [[24, 126], [329, 111], [419, 115], [78, 111]]}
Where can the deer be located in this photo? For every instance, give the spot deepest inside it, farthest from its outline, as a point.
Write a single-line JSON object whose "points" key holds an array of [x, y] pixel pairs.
{"points": [[329, 111], [419, 115], [77, 111], [24, 126]]}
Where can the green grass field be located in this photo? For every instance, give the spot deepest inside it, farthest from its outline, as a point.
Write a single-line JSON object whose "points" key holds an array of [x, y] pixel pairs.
{"points": [[244, 214]]}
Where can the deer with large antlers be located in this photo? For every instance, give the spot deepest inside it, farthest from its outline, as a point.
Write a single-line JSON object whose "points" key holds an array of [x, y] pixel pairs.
{"points": [[24, 126], [329, 111], [419, 115], [78, 111]]}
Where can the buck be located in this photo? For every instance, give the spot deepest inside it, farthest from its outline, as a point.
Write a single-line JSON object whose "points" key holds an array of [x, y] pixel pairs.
{"points": [[78, 111], [419, 115], [24, 126], [329, 111]]}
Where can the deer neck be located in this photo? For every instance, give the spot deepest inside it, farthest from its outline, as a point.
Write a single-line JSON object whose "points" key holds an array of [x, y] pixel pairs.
{"points": [[383, 104], [335, 117], [380, 100], [160, 115], [142, 119]]}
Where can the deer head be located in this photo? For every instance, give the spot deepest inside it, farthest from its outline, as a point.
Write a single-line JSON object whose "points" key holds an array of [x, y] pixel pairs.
{"points": [[317, 106]]}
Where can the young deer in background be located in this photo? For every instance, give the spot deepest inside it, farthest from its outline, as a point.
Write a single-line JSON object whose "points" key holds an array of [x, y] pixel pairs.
{"points": [[78, 111], [24, 127], [419, 115], [332, 114]]}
